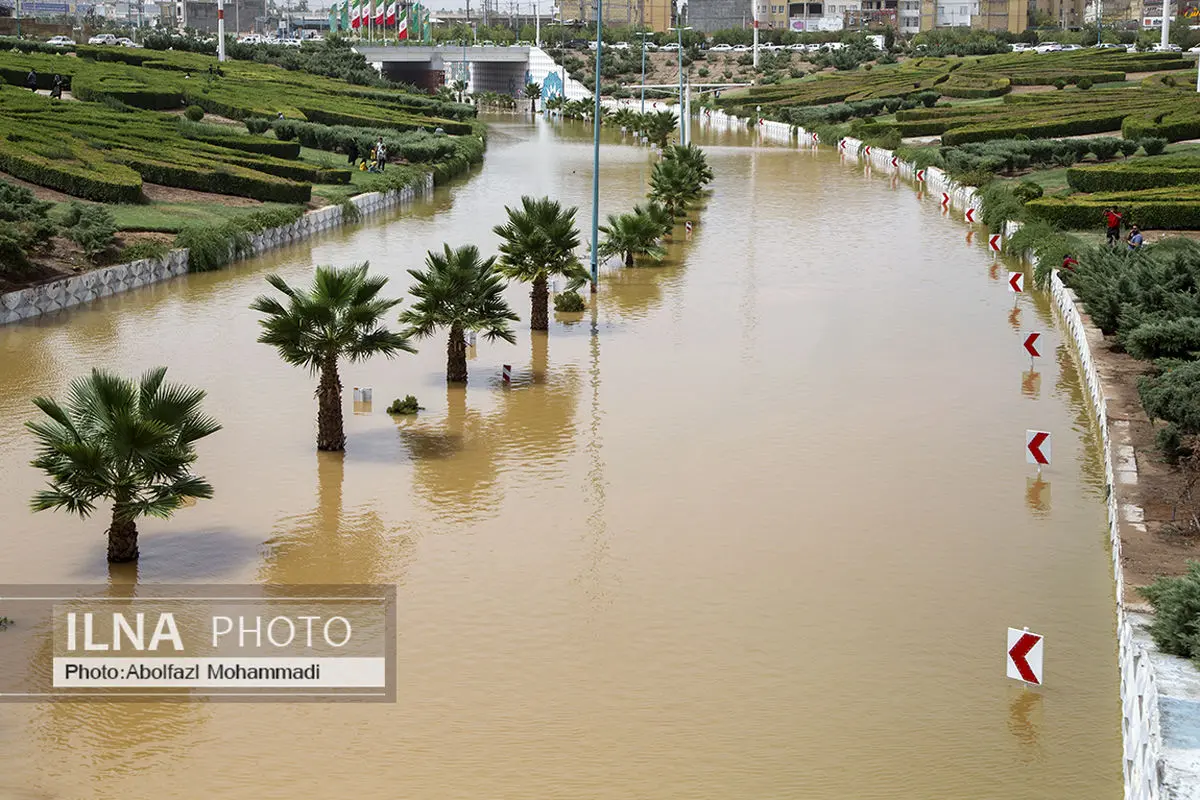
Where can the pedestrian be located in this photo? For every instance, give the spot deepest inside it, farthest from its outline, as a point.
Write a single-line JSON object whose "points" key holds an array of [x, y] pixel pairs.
{"points": [[1135, 238], [1112, 221], [351, 152], [1069, 263], [31, 80], [381, 153], [57, 91]]}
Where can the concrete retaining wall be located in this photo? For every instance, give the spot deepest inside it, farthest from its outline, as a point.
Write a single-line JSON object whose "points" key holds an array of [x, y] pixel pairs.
{"points": [[85, 287]]}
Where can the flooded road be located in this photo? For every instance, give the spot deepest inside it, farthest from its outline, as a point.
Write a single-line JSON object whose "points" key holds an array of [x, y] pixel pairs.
{"points": [[752, 529]]}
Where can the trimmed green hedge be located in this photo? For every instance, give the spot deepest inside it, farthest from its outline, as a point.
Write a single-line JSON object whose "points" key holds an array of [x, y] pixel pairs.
{"points": [[399, 122], [1173, 122], [223, 179], [131, 90], [292, 170], [91, 179], [1171, 208], [1141, 173], [252, 144]]}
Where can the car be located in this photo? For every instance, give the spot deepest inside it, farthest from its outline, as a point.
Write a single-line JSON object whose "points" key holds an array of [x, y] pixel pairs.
{"points": [[576, 44], [1195, 49], [123, 42], [1020, 47], [1109, 46], [621, 46], [104, 39], [650, 47], [741, 48], [720, 48], [1067, 47], [1049, 47], [672, 46], [60, 41], [798, 48], [1170, 48], [487, 43], [252, 38]]}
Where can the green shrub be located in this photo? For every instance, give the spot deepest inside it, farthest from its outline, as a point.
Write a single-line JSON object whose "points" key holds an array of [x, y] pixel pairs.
{"points": [[257, 125], [211, 247], [1026, 191], [569, 302], [1105, 147], [1084, 83], [194, 113], [1060, 84], [406, 406], [1176, 602], [1145, 173], [144, 249], [1153, 145], [92, 228], [1000, 204]]}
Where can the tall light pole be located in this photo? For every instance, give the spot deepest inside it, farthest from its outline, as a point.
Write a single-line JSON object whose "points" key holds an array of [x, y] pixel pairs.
{"points": [[681, 30], [644, 34], [220, 30], [754, 6], [596, 151]]}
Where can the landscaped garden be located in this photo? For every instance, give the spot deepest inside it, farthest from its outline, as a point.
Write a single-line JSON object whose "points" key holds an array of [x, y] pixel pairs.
{"points": [[160, 137]]}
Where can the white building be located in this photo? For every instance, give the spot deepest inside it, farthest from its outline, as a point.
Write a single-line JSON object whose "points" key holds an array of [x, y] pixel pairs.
{"points": [[955, 13], [908, 15]]}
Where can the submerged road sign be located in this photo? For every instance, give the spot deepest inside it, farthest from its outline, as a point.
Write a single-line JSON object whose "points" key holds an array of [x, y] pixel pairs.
{"points": [[970, 215], [921, 175], [1024, 661], [1031, 343], [1037, 447], [994, 242], [1016, 282], [945, 200]]}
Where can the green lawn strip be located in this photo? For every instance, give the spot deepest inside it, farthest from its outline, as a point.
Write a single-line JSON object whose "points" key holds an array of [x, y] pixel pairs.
{"points": [[171, 217]]}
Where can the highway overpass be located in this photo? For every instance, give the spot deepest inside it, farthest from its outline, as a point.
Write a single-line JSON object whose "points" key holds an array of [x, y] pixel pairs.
{"points": [[504, 70]]}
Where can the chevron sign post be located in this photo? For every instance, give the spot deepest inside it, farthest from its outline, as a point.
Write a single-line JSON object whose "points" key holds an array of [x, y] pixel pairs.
{"points": [[970, 215], [1024, 662], [1037, 448]]}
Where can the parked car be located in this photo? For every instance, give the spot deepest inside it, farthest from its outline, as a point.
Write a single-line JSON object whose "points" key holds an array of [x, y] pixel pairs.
{"points": [[621, 46], [650, 46], [1049, 47], [1195, 49], [672, 46], [720, 48], [798, 48], [60, 41], [252, 38], [123, 42], [104, 39], [487, 43], [1109, 46], [576, 44], [1067, 47], [738, 48], [1171, 48]]}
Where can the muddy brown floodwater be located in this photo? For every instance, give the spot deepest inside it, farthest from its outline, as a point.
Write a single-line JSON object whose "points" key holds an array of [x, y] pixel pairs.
{"points": [[753, 529]]}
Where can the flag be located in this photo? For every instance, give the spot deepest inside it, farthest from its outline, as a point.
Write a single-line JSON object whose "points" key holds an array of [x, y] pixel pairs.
{"points": [[402, 27], [355, 20], [345, 15], [391, 13], [380, 12], [333, 18]]}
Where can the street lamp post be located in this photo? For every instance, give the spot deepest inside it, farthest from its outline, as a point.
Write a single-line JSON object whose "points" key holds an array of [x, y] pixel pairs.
{"points": [[644, 34], [596, 151], [681, 30]]}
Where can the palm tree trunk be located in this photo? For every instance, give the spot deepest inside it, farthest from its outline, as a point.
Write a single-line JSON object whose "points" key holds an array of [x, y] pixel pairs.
{"points": [[539, 316], [629, 258], [122, 539], [456, 356], [330, 435]]}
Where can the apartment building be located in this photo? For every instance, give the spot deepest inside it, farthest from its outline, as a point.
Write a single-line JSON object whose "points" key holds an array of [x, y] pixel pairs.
{"points": [[658, 15]]}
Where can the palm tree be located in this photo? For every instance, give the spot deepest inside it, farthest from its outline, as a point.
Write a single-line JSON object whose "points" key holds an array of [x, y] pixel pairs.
{"points": [[661, 216], [691, 156], [338, 317], [674, 184], [539, 241], [659, 125], [533, 90], [630, 235], [459, 291], [130, 443], [460, 88]]}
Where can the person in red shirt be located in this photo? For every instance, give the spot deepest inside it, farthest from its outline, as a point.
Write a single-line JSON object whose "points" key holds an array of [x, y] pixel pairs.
{"points": [[1113, 221], [1069, 263]]}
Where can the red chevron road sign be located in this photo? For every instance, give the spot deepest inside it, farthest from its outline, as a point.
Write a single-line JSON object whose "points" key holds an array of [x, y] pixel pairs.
{"points": [[1031, 342], [1037, 447], [1016, 282], [1024, 661]]}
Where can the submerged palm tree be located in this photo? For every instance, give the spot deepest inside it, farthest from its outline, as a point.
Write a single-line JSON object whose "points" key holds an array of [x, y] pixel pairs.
{"points": [[659, 125], [663, 218], [460, 291], [340, 316], [533, 90], [460, 88], [675, 185], [631, 235], [693, 157], [129, 443], [539, 241]]}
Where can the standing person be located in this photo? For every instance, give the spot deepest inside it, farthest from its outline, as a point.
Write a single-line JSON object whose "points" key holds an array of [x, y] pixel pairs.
{"points": [[381, 153], [351, 152], [56, 92], [31, 80], [1135, 238], [1112, 221]]}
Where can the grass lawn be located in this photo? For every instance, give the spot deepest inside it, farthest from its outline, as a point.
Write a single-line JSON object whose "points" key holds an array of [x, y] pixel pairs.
{"points": [[171, 217]]}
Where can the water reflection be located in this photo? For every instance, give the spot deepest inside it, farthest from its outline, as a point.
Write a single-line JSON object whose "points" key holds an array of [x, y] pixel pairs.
{"points": [[1031, 384], [1037, 495], [331, 545], [1025, 722]]}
